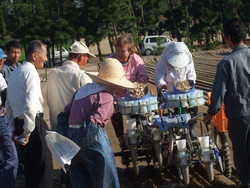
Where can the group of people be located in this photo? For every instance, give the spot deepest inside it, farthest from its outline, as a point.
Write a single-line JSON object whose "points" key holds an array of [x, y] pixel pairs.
{"points": [[87, 100]]}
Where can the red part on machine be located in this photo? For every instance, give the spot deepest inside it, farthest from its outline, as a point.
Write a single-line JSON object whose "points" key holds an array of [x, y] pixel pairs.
{"points": [[151, 91]]}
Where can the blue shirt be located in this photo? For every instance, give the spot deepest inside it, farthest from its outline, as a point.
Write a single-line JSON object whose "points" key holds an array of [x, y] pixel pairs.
{"points": [[232, 84]]}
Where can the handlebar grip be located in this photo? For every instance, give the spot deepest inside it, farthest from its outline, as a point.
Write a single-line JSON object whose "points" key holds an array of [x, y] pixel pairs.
{"points": [[196, 117]]}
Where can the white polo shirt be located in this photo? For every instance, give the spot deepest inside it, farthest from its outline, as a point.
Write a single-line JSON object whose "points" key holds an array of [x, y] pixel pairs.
{"points": [[24, 97]]}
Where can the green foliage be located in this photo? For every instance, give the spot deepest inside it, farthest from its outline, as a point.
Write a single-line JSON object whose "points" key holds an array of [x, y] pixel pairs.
{"points": [[3, 31], [22, 57], [63, 21], [210, 46], [192, 48], [157, 50]]}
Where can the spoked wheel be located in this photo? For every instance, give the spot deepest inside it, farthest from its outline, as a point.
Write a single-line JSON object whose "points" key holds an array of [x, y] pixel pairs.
{"points": [[224, 165]]}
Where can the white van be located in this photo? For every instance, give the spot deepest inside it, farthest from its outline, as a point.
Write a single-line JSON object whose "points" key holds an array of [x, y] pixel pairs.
{"points": [[149, 41]]}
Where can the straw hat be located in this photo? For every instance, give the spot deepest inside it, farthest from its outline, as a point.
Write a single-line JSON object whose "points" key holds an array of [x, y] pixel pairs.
{"points": [[177, 54], [111, 73]]}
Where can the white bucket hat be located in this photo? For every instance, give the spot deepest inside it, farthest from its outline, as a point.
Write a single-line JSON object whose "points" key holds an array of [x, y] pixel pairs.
{"points": [[80, 48], [177, 54], [111, 73]]}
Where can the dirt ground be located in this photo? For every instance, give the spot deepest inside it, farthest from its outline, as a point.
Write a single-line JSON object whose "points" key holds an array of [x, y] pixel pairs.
{"points": [[109, 128]]}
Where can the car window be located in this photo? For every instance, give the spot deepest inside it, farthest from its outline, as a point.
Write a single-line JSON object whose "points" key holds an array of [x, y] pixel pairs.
{"points": [[147, 40], [152, 40], [164, 39]]}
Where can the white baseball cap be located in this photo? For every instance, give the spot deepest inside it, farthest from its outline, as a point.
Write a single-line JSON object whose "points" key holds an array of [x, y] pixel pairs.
{"points": [[80, 48]]}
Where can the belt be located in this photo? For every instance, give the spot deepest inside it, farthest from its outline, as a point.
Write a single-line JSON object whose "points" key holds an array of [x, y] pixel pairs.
{"points": [[37, 115], [75, 126]]}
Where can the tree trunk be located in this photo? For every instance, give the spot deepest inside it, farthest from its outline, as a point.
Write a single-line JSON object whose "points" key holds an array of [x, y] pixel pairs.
{"points": [[61, 61], [134, 8], [87, 42], [99, 51], [53, 54], [48, 52], [248, 15], [58, 9], [114, 28], [175, 25], [34, 7], [188, 24], [110, 43], [143, 21], [109, 38], [131, 9]]}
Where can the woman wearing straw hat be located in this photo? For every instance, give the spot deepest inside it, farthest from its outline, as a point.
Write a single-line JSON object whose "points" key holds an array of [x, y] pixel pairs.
{"points": [[134, 70], [176, 64], [90, 109]]}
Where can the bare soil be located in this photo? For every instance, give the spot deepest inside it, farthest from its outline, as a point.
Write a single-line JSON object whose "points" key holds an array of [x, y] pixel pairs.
{"points": [[148, 177]]}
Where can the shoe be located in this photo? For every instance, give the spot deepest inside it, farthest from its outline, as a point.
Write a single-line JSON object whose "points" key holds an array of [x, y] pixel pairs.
{"points": [[123, 146]]}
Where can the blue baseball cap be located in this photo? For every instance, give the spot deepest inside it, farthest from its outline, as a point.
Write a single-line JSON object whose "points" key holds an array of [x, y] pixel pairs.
{"points": [[2, 54]]}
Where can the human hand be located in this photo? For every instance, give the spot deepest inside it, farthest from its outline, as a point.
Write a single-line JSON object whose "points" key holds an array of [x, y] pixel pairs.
{"points": [[2, 110], [137, 82], [207, 118], [26, 139], [13, 136]]}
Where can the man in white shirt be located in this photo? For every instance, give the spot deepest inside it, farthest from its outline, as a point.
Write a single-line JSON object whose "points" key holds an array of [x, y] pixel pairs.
{"points": [[65, 80], [62, 84], [24, 109]]}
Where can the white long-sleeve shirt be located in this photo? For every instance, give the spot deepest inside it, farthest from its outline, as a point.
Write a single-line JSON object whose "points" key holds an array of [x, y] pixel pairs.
{"points": [[164, 73], [61, 86], [24, 97]]}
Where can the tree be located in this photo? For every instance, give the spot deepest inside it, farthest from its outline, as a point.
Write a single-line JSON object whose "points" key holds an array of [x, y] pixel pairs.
{"points": [[3, 30]]}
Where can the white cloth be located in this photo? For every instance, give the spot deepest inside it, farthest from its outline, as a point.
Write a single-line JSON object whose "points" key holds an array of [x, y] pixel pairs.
{"points": [[92, 88], [3, 84], [164, 72], [24, 97], [177, 54], [61, 85]]}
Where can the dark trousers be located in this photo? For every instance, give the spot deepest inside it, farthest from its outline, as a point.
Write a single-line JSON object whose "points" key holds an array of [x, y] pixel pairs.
{"points": [[36, 156], [239, 133], [8, 162]]}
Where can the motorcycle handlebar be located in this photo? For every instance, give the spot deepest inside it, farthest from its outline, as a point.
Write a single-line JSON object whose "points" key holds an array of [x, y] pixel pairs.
{"points": [[196, 117]]}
